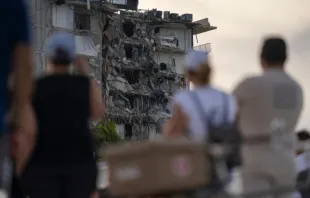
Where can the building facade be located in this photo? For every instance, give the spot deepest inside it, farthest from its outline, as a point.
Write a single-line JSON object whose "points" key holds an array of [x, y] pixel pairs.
{"points": [[143, 54], [72, 17], [135, 55]]}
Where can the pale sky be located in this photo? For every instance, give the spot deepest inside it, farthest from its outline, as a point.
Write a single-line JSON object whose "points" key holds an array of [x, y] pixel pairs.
{"points": [[241, 26]]}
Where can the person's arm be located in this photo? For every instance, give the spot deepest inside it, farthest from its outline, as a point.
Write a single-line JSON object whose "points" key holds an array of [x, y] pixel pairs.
{"points": [[95, 97], [177, 125], [22, 57], [242, 93]]}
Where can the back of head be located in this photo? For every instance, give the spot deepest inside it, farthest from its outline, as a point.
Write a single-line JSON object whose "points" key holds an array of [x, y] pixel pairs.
{"points": [[274, 51], [61, 49], [197, 67]]}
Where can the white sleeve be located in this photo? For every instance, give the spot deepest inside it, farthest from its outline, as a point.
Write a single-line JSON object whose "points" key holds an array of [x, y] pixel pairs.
{"points": [[182, 100]]}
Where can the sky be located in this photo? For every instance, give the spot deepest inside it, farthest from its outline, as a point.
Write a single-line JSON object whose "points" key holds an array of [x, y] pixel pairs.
{"points": [[242, 24]]}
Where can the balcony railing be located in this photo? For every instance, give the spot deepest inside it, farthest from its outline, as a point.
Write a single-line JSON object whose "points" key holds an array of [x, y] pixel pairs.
{"points": [[203, 48]]}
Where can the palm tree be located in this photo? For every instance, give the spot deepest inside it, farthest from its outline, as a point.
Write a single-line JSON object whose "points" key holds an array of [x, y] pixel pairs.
{"points": [[104, 133]]}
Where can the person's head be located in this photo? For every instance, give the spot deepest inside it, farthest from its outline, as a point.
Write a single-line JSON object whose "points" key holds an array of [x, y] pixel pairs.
{"points": [[273, 53], [197, 68], [303, 138], [61, 50]]}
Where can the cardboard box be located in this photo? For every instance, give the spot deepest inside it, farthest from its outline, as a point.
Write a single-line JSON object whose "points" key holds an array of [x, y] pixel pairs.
{"points": [[146, 168]]}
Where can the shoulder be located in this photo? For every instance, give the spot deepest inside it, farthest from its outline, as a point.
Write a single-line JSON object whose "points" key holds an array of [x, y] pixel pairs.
{"points": [[180, 95], [40, 79], [248, 84], [182, 100], [221, 93], [251, 80], [20, 12], [81, 78], [296, 83]]}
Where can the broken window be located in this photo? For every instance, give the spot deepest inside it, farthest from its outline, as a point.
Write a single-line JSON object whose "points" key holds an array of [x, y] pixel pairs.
{"points": [[157, 30], [82, 21], [128, 28], [128, 51], [128, 131], [132, 77], [163, 66]]}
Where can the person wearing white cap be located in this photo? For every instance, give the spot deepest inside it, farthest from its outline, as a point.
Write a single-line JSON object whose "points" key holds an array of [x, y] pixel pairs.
{"points": [[62, 163], [186, 119], [195, 110]]}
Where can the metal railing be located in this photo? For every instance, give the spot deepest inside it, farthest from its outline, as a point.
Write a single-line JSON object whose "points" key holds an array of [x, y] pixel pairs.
{"points": [[203, 48]]}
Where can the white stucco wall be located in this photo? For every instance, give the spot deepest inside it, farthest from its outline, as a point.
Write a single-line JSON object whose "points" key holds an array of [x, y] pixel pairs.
{"points": [[164, 57], [183, 34], [185, 43], [41, 13], [63, 19]]}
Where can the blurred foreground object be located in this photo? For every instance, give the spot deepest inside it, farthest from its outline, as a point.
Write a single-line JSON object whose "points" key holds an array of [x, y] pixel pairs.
{"points": [[148, 168], [23, 140]]}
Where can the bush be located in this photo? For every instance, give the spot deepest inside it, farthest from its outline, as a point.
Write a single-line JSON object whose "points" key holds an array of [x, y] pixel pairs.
{"points": [[104, 134]]}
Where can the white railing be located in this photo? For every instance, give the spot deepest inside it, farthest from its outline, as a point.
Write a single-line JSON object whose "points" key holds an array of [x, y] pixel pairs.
{"points": [[203, 48]]}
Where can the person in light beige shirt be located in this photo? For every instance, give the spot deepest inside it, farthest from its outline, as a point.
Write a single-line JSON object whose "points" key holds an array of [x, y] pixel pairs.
{"points": [[270, 105]]}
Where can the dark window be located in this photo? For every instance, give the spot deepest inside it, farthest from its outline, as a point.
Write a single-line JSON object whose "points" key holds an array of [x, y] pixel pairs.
{"points": [[82, 21], [128, 131]]}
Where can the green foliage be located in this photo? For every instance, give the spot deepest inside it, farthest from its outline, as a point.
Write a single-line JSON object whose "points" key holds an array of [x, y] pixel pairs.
{"points": [[104, 133]]}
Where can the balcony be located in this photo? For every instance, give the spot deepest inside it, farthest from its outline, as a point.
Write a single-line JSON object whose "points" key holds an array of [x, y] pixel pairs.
{"points": [[202, 26], [114, 5], [203, 48], [93, 4]]}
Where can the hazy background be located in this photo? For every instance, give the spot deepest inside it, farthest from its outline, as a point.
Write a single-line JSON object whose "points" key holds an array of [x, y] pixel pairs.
{"points": [[241, 26]]}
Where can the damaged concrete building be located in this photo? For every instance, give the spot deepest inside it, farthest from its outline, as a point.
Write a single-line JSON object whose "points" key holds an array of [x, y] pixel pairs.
{"points": [[136, 55], [143, 53]]}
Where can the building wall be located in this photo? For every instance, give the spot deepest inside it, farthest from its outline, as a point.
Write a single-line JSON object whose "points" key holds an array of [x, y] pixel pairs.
{"points": [[185, 43], [63, 19], [183, 34], [47, 18], [165, 57], [41, 16]]}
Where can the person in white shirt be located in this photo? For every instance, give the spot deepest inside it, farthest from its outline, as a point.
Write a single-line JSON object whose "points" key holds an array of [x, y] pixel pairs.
{"points": [[196, 111], [186, 119], [270, 105]]}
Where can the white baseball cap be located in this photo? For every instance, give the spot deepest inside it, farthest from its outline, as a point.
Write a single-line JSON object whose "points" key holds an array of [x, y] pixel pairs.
{"points": [[193, 59], [61, 40]]}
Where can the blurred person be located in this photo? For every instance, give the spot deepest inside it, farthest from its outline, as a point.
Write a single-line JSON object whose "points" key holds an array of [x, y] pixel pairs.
{"points": [[15, 56], [198, 112], [303, 163], [62, 163], [20, 145], [270, 105], [187, 119]]}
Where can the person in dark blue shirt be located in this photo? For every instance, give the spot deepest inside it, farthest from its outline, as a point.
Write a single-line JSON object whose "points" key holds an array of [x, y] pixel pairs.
{"points": [[16, 57]]}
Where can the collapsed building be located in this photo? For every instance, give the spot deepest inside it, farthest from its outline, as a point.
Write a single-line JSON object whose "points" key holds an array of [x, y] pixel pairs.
{"points": [[135, 55], [143, 53]]}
